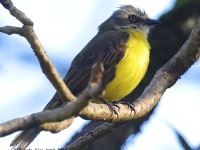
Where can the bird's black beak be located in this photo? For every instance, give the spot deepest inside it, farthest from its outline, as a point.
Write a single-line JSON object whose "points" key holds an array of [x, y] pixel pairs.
{"points": [[151, 22]]}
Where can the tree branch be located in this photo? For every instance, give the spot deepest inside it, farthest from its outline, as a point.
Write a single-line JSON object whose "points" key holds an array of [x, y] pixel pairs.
{"points": [[95, 88], [10, 30], [55, 127], [47, 66], [90, 137]]}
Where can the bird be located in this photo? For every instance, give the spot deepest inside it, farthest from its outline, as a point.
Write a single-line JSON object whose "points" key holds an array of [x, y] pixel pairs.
{"points": [[121, 42]]}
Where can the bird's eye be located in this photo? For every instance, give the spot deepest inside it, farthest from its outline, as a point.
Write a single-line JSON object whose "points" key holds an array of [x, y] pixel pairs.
{"points": [[132, 18]]}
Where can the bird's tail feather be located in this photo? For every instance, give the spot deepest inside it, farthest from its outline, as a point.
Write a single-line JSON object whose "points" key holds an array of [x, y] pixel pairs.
{"points": [[24, 138]]}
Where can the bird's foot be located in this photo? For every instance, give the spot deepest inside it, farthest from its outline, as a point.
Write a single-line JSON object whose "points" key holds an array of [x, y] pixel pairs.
{"points": [[112, 106], [128, 104]]}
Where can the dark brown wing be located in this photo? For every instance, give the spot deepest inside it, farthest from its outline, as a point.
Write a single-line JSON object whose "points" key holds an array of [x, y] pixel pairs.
{"points": [[107, 46]]}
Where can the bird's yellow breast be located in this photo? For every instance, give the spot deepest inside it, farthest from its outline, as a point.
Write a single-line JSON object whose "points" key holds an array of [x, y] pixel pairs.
{"points": [[131, 68]]}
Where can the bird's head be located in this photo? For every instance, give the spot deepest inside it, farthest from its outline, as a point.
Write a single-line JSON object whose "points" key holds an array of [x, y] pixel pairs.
{"points": [[128, 17]]}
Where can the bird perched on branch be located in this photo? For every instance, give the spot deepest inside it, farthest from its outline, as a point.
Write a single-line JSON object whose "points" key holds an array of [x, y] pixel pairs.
{"points": [[121, 42]]}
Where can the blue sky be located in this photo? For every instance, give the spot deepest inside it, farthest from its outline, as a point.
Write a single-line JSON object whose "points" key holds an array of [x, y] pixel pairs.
{"points": [[64, 28]]}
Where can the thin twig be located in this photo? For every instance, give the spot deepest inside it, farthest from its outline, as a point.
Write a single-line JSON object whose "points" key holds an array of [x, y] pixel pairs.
{"points": [[10, 30], [19, 15], [46, 65]]}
